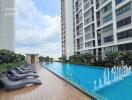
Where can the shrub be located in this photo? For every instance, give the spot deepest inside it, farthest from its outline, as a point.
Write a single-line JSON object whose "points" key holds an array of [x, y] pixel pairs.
{"points": [[7, 56], [9, 59], [6, 66], [116, 58], [84, 58]]}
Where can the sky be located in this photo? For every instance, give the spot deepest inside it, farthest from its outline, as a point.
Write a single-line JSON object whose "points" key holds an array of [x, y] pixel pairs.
{"points": [[38, 27]]}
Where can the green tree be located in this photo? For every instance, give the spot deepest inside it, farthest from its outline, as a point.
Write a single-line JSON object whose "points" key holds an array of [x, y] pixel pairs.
{"points": [[45, 59], [84, 58], [63, 58]]}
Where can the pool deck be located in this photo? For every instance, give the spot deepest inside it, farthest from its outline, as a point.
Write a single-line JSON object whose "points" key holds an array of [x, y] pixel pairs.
{"points": [[53, 88]]}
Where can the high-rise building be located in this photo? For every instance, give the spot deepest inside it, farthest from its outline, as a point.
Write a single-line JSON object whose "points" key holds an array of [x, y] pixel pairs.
{"points": [[67, 28], [7, 24], [101, 26]]}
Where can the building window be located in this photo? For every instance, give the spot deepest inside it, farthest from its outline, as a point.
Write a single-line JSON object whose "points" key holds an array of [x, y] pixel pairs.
{"points": [[108, 39], [123, 9], [103, 1], [125, 47], [80, 29], [125, 34], [80, 43], [88, 44], [87, 36], [124, 22], [79, 17], [86, 6], [100, 2], [108, 7], [87, 21], [107, 18], [85, 1], [78, 5], [87, 29], [107, 28], [87, 17], [119, 1]]}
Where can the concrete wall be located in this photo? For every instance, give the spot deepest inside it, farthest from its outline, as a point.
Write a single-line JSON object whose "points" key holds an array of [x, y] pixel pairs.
{"points": [[28, 59]]}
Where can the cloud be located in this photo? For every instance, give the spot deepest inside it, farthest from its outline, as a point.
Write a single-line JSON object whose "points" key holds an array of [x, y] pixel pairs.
{"points": [[36, 32]]}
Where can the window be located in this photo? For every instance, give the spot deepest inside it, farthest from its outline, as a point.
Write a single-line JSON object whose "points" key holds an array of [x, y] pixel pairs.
{"points": [[124, 22], [87, 17], [88, 44], [87, 29], [107, 28], [86, 6], [123, 9], [79, 17], [108, 39], [86, 14], [107, 18], [87, 21], [119, 1], [125, 47], [87, 36], [80, 29], [78, 5], [106, 8], [91, 1], [103, 1], [125, 34], [85, 1], [80, 43]]}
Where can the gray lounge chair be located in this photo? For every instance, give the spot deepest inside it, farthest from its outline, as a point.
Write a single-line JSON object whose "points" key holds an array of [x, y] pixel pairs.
{"points": [[28, 66], [1, 86], [10, 85], [23, 67], [20, 71], [13, 75]]}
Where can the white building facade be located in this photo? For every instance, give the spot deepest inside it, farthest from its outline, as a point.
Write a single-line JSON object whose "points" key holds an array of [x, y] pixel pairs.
{"points": [[101, 26], [67, 28], [7, 24]]}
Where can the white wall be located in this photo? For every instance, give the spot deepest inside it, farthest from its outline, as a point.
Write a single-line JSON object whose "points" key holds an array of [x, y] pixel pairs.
{"points": [[7, 24], [69, 28]]}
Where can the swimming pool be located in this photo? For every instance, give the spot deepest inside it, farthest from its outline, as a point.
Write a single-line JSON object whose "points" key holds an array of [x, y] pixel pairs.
{"points": [[83, 77]]}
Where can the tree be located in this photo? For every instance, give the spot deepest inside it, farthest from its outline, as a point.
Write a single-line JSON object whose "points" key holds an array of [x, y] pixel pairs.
{"points": [[9, 59], [112, 57], [45, 59], [63, 58], [41, 59], [51, 59], [116, 58], [85, 58], [7, 56]]}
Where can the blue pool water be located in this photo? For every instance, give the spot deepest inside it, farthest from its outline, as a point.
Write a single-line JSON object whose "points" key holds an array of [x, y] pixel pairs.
{"points": [[84, 76]]}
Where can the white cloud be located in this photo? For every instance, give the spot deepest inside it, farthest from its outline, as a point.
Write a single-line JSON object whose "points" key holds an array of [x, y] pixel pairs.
{"points": [[36, 32]]}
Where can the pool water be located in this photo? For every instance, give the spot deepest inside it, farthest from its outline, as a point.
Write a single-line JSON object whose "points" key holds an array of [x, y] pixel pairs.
{"points": [[84, 76]]}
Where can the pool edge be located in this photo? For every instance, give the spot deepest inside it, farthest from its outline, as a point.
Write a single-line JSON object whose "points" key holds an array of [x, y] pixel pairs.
{"points": [[91, 95]]}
